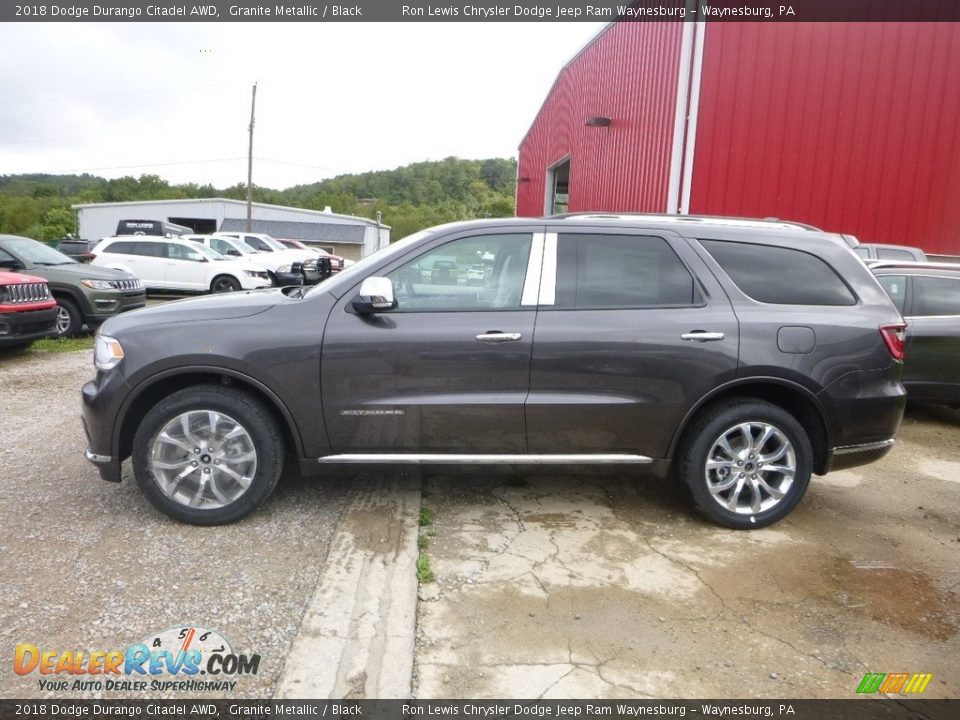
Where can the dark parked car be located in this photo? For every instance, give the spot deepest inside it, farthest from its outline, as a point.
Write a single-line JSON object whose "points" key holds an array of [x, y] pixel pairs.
{"points": [[444, 272], [28, 311], [85, 294], [928, 295], [79, 250], [745, 355]]}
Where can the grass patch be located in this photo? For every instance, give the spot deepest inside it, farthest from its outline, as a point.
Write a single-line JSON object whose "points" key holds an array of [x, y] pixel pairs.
{"points": [[424, 573], [423, 542], [426, 517], [58, 345]]}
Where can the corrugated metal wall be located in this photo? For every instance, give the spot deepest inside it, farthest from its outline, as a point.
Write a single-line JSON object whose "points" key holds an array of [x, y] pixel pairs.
{"points": [[629, 75], [853, 127]]}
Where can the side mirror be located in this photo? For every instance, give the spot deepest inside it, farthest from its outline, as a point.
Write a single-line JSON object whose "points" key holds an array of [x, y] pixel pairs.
{"points": [[234, 253], [376, 295]]}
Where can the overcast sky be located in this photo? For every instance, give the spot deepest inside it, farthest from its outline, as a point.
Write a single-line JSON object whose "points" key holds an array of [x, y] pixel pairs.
{"points": [[170, 99]]}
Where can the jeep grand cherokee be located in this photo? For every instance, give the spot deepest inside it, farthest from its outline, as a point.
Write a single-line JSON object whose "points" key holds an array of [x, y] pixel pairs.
{"points": [[743, 355]]}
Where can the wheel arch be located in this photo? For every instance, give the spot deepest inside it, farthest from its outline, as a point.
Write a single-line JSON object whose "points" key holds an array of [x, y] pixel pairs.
{"points": [[151, 391], [792, 397], [74, 295]]}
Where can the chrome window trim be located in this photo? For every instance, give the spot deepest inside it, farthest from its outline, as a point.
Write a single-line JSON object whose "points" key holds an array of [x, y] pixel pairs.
{"points": [[531, 283], [548, 279]]}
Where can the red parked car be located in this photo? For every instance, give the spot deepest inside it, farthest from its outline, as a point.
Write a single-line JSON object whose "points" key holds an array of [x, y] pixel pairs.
{"points": [[336, 262], [28, 311]]}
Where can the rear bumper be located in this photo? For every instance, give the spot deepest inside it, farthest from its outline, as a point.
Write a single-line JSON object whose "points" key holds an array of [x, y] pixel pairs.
{"points": [[27, 325], [840, 458]]}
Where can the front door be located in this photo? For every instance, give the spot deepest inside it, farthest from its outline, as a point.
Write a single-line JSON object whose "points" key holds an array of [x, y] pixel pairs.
{"points": [[448, 370]]}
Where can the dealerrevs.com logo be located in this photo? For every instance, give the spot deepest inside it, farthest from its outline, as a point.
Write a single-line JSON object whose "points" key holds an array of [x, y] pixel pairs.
{"points": [[186, 658]]}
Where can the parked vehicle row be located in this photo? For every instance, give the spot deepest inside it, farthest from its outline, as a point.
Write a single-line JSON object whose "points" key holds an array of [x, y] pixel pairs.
{"points": [[84, 294], [744, 356]]}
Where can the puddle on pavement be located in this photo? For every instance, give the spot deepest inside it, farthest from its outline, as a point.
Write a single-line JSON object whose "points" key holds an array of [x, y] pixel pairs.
{"points": [[902, 598]]}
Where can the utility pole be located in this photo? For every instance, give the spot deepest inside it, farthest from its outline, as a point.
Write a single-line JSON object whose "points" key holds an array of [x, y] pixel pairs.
{"points": [[253, 105]]}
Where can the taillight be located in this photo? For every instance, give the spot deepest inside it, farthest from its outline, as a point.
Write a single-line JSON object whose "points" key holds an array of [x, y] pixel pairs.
{"points": [[894, 337]]}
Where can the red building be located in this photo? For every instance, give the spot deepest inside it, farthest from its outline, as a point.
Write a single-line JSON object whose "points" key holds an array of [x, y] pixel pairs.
{"points": [[853, 127]]}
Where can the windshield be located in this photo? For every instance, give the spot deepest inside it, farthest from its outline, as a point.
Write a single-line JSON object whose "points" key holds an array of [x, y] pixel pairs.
{"points": [[273, 243], [30, 252], [207, 252], [263, 243]]}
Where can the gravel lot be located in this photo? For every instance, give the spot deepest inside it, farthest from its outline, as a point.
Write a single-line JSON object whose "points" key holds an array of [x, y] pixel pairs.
{"points": [[88, 564], [547, 585]]}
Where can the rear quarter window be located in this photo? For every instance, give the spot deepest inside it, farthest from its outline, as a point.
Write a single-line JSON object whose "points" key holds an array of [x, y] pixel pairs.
{"points": [[778, 275]]}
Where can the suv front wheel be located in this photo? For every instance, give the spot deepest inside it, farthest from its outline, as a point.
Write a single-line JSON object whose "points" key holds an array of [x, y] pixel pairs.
{"points": [[208, 455], [746, 463]]}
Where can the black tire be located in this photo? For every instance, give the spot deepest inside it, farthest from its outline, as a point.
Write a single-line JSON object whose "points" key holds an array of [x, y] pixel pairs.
{"points": [[224, 283], [69, 319], [247, 412], [702, 436]]}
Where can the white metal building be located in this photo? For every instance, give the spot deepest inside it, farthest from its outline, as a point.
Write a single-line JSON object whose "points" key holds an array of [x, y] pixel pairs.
{"points": [[345, 235]]}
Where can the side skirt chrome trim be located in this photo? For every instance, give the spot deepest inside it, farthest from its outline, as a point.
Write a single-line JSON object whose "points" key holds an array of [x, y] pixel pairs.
{"points": [[867, 447], [484, 459]]}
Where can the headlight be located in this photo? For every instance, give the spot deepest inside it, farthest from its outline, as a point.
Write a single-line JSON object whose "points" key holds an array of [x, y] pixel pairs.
{"points": [[283, 268], [98, 284], [107, 352]]}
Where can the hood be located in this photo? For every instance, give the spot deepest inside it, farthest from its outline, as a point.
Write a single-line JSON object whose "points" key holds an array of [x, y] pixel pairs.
{"points": [[222, 306], [80, 271], [12, 278]]}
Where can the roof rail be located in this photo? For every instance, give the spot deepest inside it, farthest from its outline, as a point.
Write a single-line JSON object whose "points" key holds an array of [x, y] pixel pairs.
{"points": [[664, 217]]}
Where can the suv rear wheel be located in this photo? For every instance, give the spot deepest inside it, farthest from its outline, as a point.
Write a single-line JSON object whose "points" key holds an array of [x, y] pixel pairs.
{"points": [[746, 463], [207, 455]]}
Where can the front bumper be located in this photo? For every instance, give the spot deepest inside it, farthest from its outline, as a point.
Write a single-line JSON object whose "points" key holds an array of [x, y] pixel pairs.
{"points": [[27, 325], [100, 405], [103, 307], [283, 279]]}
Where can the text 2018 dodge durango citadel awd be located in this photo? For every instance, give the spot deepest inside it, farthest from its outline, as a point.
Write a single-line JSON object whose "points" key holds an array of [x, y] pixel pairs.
{"points": [[743, 355]]}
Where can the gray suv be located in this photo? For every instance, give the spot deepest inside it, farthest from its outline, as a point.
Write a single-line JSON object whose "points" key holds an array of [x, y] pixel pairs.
{"points": [[741, 356]]}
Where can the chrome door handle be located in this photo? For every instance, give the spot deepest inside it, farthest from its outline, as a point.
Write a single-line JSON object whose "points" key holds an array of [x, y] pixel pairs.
{"points": [[701, 336], [497, 338]]}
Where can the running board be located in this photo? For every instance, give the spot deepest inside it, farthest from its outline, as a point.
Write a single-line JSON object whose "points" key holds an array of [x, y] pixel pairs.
{"points": [[485, 459]]}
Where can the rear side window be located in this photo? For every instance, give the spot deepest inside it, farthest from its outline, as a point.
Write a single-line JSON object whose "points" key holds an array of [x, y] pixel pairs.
{"points": [[121, 248], [621, 271], [780, 276], [896, 287], [936, 296]]}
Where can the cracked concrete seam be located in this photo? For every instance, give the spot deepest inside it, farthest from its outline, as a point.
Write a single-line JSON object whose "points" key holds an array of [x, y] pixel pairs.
{"points": [[369, 592]]}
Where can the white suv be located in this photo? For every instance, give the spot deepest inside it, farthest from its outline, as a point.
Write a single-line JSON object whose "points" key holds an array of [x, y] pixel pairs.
{"points": [[174, 264]]}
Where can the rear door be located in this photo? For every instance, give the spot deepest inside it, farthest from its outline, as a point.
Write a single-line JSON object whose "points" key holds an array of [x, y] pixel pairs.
{"points": [[632, 330], [931, 370], [448, 370]]}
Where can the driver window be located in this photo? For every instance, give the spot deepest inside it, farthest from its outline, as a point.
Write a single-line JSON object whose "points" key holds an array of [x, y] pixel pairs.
{"points": [[475, 273]]}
